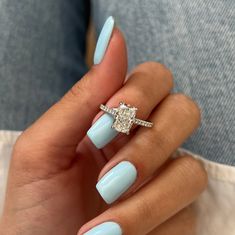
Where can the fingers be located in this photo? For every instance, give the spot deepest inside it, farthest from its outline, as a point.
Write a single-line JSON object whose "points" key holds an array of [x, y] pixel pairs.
{"points": [[183, 223], [174, 120], [167, 194], [65, 124], [147, 85]]}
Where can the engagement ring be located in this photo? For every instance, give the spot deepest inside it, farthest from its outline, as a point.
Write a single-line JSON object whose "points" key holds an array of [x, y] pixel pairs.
{"points": [[124, 117]]}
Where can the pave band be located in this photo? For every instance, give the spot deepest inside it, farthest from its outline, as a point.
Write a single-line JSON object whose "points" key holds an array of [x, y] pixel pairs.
{"points": [[108, 110], [124, 117], [142, 123]]}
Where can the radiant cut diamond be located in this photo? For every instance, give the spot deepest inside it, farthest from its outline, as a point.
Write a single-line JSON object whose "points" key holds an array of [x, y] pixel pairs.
{"points": [[124, 118]]}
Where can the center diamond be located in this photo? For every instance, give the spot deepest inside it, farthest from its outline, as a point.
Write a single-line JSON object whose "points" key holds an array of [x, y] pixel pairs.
{"points": [[124, 118]]}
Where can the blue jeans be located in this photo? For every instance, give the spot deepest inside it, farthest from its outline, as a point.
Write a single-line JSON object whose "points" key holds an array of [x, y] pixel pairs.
{"points": [[42, 48]]}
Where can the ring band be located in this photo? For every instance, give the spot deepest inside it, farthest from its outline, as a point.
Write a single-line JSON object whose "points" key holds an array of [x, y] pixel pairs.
{"points": [[124, 117]]}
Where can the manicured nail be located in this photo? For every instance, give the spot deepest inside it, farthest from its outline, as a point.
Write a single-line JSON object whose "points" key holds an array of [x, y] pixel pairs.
{"points": [[117, 181], [103, 40], [101, 133], [107, 228]]}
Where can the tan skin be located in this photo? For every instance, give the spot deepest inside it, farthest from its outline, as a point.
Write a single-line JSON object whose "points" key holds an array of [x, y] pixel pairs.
{"points": [[51, 187]]}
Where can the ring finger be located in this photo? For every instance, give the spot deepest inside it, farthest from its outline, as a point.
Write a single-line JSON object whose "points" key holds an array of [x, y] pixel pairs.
{"points": [[147, 85]]}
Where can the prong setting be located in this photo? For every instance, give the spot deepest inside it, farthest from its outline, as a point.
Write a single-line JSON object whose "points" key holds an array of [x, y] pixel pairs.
{"points": [[124, 117]]}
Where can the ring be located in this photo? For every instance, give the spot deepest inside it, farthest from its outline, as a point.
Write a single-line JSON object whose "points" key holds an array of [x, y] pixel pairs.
{"points": [[124, 117]]}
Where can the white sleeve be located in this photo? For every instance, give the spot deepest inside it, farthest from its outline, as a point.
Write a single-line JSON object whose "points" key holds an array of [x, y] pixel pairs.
{"points": [[215, 208]]}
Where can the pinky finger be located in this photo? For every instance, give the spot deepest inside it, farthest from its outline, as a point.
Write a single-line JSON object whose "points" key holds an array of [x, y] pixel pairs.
{"points": [[173, 189], [183, 223]]}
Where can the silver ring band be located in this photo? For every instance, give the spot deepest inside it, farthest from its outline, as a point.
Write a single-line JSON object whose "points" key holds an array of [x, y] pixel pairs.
{"points": [[143, 123], [108, 110]]}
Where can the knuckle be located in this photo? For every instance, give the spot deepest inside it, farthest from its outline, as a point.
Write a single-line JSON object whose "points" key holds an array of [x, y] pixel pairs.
{"points": [[187, 106], [22, 150], [141, 92], [152, 65], [80, 94], [156, 144], [152, 68], [196, 169], [80, 89], [145, 210], [21, 145], [189, 217]]}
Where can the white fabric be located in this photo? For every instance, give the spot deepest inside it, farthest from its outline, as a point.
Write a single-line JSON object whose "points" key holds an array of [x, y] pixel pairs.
{"points": [[7, 140], [215, 207]]}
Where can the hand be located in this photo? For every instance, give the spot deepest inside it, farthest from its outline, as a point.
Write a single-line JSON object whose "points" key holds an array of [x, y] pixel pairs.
{"points": [[54, 169]]}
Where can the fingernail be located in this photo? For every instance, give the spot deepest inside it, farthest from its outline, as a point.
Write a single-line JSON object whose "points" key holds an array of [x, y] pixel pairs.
{"points": [[107, 228], [103, 40], [101, 133], [117, 181]]}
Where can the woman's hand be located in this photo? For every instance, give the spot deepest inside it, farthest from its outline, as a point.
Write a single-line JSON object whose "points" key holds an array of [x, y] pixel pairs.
{"points": [[54, 169]]}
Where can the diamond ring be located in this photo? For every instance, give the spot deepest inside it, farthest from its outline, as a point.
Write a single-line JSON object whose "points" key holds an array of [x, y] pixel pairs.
{"points": [[124, 117]]}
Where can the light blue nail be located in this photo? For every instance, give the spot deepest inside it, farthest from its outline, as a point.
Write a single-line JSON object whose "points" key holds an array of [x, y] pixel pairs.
{"points": [[101, 133], [117, 181], [103, 40], [107, 228]]}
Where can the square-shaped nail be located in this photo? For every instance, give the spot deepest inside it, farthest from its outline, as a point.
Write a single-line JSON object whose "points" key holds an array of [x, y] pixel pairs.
{"points": [[103, 40], [101, 132], [117, 181], [107, 228]]}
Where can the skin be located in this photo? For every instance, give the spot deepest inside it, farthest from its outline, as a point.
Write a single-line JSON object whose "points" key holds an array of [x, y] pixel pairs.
{"points": [[54, 169]]}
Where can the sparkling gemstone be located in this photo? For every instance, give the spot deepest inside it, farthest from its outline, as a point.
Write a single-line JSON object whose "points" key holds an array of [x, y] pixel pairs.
{"points": [[125, 116]]}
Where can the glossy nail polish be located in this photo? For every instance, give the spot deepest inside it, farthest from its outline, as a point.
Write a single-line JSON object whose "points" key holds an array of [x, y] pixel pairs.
{"points": [[101, 132], [107, 228], [117, 181], [103, 40]]}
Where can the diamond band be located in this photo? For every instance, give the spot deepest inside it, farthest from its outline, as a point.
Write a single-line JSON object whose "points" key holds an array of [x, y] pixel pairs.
{"points": [[143, 123], [124, 117], [108, 110]]}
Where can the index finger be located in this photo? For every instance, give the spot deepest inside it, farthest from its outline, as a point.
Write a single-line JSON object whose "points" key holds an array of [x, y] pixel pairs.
{"points": [[66, 123]]}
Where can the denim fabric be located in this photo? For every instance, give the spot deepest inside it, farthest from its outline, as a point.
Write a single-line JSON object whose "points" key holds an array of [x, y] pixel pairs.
{"points": [[42, 49], [196, 40], [42, 46]]}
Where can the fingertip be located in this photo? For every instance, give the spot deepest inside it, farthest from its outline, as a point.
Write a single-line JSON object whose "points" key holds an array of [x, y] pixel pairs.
{"points": [[113, 59], [103, 40]]}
